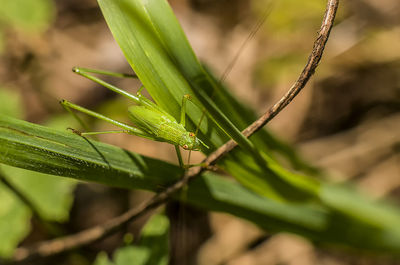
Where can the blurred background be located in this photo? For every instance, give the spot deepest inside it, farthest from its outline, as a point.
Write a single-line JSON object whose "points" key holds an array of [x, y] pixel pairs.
{"points": [[346, 121]]}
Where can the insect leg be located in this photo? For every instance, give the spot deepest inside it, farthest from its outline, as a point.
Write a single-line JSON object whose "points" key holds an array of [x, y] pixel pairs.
{"points": [[183, 114], [132, 130], [105, 84], [139, 92], [188, 97], [150, 104], [145, 101], [103, 72], [178, 153], [95, 133], [81, 122], [104, 132], [185, 98]]}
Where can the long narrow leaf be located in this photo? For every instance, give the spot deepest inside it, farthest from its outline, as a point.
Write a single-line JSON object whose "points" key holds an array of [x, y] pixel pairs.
{"points": [[167, 27], [345, 218], [54, 152], [63, 153], [134, 29]]}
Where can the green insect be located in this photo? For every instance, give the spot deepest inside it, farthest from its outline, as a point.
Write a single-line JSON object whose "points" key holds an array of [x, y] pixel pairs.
{"points": [[151, 121]]}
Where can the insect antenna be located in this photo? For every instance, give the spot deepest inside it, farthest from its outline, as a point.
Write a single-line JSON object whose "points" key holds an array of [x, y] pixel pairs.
{"points": [[249, 37], [234, 60], [187, 214]]}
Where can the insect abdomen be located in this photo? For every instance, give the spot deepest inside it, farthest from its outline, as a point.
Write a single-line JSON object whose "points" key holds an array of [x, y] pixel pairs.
{"points": [[171, 132]]}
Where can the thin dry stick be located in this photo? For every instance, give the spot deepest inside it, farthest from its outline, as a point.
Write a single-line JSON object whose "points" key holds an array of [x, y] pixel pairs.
{"points": [[56, 246]]}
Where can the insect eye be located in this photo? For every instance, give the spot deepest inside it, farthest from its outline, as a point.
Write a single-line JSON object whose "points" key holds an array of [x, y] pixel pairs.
{"points": [[185, 146], [192, 134]]}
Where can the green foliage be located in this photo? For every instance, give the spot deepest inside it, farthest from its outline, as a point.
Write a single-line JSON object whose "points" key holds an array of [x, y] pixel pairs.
{"points": [[26, 15], [14, 221], [2, 42], [288, 24], [159, 53], [272, 70], [342, 216], [51, 196], [278, 200], [11, 104], [290, 15], [152, 248], [31, 16], [63, 153]]}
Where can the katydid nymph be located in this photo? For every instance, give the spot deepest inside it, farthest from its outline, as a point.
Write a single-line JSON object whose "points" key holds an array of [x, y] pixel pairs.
{"points": [[151, 121]]}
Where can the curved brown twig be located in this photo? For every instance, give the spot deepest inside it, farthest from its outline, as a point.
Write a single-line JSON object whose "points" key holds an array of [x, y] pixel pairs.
{"points": [[56, 246]]}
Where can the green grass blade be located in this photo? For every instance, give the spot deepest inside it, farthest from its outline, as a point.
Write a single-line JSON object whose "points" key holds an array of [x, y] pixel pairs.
{"points": [[344, 217], [149, 49], [349, 228], [172, 36], [63, 153], [13, 211], [145, 52], [242, 116], [134, 33], [60, 153], [51, 197], [157, 68]]}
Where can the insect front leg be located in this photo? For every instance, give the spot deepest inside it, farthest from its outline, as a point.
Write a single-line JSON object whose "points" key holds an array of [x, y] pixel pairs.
{"points": [[84, 72]]}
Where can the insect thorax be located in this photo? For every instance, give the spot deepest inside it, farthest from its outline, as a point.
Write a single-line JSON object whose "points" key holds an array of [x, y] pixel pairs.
{"points": [[176, 134]]}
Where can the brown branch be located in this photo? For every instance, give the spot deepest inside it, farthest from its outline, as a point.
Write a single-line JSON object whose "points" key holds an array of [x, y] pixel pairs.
{"points": [[56, 246], [63, 244]]}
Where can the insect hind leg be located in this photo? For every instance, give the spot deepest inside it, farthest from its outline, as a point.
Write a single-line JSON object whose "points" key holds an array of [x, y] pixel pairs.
{"points": [[96, 133], [129, 129], [78, 70]]}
